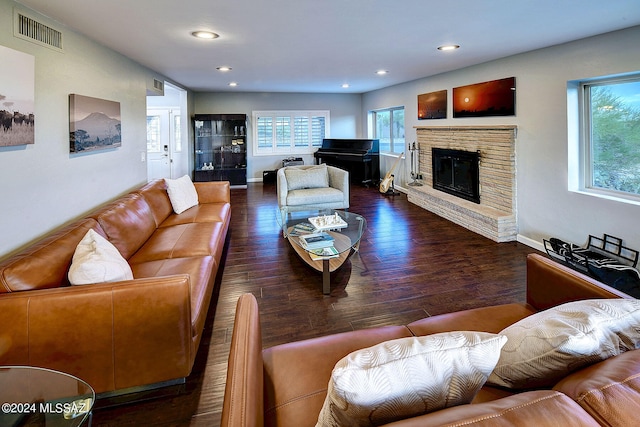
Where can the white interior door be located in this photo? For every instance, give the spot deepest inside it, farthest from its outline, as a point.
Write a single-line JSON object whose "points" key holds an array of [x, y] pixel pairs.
{"points": [[167, 134], [159, 156]]}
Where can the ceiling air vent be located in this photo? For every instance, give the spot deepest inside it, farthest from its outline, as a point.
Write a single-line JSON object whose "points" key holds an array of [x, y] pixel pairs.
{"points": [[29, 29], [156, 88]]}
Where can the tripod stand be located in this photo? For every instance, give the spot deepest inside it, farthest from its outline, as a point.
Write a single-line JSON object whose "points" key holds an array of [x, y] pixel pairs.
{"points": [[392, 191]]}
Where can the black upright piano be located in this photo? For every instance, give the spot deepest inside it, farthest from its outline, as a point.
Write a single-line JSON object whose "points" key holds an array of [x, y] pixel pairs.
{"points": [[361, 157]]}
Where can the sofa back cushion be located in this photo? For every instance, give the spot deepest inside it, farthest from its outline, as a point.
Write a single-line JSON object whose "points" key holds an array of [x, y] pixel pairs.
{"points": [[609, 390], [540, 408], [307, 177], [46, 263], [155, 194], [128, 223]]}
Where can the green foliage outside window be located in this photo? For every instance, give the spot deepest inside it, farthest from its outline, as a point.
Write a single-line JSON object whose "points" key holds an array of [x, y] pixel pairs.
{"points": [[615, 137]]}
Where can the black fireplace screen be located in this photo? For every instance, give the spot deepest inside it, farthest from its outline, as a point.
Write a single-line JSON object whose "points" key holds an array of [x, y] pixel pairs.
{"points": [[457, 172]]}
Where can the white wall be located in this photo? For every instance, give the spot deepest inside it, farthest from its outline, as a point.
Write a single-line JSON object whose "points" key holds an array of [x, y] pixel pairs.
{"points": [[346, 121], [545, 206], [43, 186]]}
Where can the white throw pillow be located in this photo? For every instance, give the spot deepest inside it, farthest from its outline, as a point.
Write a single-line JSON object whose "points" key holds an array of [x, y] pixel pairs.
{"points": [[313, 177], [407, 377], [544, 347], [96, 260], [182, 193]]}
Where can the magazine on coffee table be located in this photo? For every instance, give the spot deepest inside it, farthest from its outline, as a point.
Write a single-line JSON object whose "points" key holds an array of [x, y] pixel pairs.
{"points": [[301, 228], [316, 241], [324, 253]]}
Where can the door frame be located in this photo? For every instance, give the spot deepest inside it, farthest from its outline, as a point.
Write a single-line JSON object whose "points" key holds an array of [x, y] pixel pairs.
{"points": [[175, 101]]}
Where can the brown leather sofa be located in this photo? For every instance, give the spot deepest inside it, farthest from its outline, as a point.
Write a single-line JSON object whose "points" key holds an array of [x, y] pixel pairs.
{"points": [[286, 385], [123, 335]]}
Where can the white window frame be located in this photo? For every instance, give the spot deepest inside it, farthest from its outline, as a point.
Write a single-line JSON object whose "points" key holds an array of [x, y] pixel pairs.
{"points": [[288, 118], [580, 152], [374, 129]]}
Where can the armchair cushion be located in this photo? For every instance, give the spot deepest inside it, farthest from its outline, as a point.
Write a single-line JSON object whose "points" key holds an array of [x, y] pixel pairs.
{"points": [[313, 177], [314, 196]]}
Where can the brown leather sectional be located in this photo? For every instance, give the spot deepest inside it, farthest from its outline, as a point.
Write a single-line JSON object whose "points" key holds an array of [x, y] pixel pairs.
{"points": [[286, 385], [122, 335]]}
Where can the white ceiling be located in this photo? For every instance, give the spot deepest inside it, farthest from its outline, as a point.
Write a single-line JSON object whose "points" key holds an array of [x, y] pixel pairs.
{"points": [[316, 46]]}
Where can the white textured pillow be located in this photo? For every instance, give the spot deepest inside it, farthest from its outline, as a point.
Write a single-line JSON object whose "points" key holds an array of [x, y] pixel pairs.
{"points": [[407, 377], [182, 193], [546, 346], [313, 177], [96, 260]]}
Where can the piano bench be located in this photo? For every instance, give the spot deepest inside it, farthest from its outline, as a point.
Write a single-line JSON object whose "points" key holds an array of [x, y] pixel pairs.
{"points": [[269, 177]]}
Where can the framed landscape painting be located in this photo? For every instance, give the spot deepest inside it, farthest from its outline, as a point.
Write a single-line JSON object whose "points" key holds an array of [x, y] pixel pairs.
{"points": [[94, 124], [17, 90], [432, 105], [492, 98]]}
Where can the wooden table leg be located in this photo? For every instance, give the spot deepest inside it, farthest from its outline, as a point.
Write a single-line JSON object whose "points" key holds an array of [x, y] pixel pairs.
{"points": [[326, 277]]}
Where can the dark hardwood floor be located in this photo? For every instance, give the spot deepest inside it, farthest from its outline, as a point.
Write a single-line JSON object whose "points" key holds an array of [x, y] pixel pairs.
{"points": [[411, 264]]}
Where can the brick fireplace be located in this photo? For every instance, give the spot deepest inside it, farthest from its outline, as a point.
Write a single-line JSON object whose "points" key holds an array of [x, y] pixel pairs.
{"points": [[495, 216]]}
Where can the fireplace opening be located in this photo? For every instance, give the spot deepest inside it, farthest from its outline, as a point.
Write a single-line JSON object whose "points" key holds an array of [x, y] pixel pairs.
{"points": [[457, 172]]}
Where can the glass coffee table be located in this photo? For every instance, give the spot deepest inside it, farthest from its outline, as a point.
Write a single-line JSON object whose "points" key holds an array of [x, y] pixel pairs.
{"points": [[345, 229], [33, 396]]}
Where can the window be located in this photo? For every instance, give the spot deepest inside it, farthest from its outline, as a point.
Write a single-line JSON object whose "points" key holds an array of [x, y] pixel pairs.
{"points": [[177, 132], [611, 136], [289, 132], [153, 133], [388, 128]]}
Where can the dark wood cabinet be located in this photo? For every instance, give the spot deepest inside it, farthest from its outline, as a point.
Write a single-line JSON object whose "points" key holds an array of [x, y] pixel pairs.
{"points": [[220, 148]]}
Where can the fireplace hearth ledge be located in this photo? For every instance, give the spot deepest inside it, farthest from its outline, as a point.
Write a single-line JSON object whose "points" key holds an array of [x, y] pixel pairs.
{"points": [[494, 224]]}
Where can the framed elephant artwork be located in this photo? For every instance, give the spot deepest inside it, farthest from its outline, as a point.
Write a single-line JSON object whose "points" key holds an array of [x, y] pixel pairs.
{"points": [[17, 94]]}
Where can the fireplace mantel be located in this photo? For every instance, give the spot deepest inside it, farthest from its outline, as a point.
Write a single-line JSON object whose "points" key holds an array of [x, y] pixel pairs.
{"points": [[495, 216], [469, 127]]}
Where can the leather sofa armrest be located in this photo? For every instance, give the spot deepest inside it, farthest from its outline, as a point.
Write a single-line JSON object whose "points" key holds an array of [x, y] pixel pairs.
{"points": [[112, 335], [213, 191], [153, 333], [550, 283], [539, 408], [243, 396]]}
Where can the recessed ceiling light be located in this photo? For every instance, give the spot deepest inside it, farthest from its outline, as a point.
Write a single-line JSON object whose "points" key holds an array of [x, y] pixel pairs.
{"points": [[205, 35], [448, 47], [381, 72], [345, 85], [233, 84], [223, 69]]}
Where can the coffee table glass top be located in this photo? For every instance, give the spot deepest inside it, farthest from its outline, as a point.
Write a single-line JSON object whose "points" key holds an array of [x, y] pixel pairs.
{"points": [[33, 396], [345, 227]]}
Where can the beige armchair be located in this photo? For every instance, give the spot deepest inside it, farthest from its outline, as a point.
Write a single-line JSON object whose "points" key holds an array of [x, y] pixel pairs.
{"points": [[310, 187]]}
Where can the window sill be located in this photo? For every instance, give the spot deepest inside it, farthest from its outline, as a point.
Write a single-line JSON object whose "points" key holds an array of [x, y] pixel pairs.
{"points": [[286, 152], [615, 197]]}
